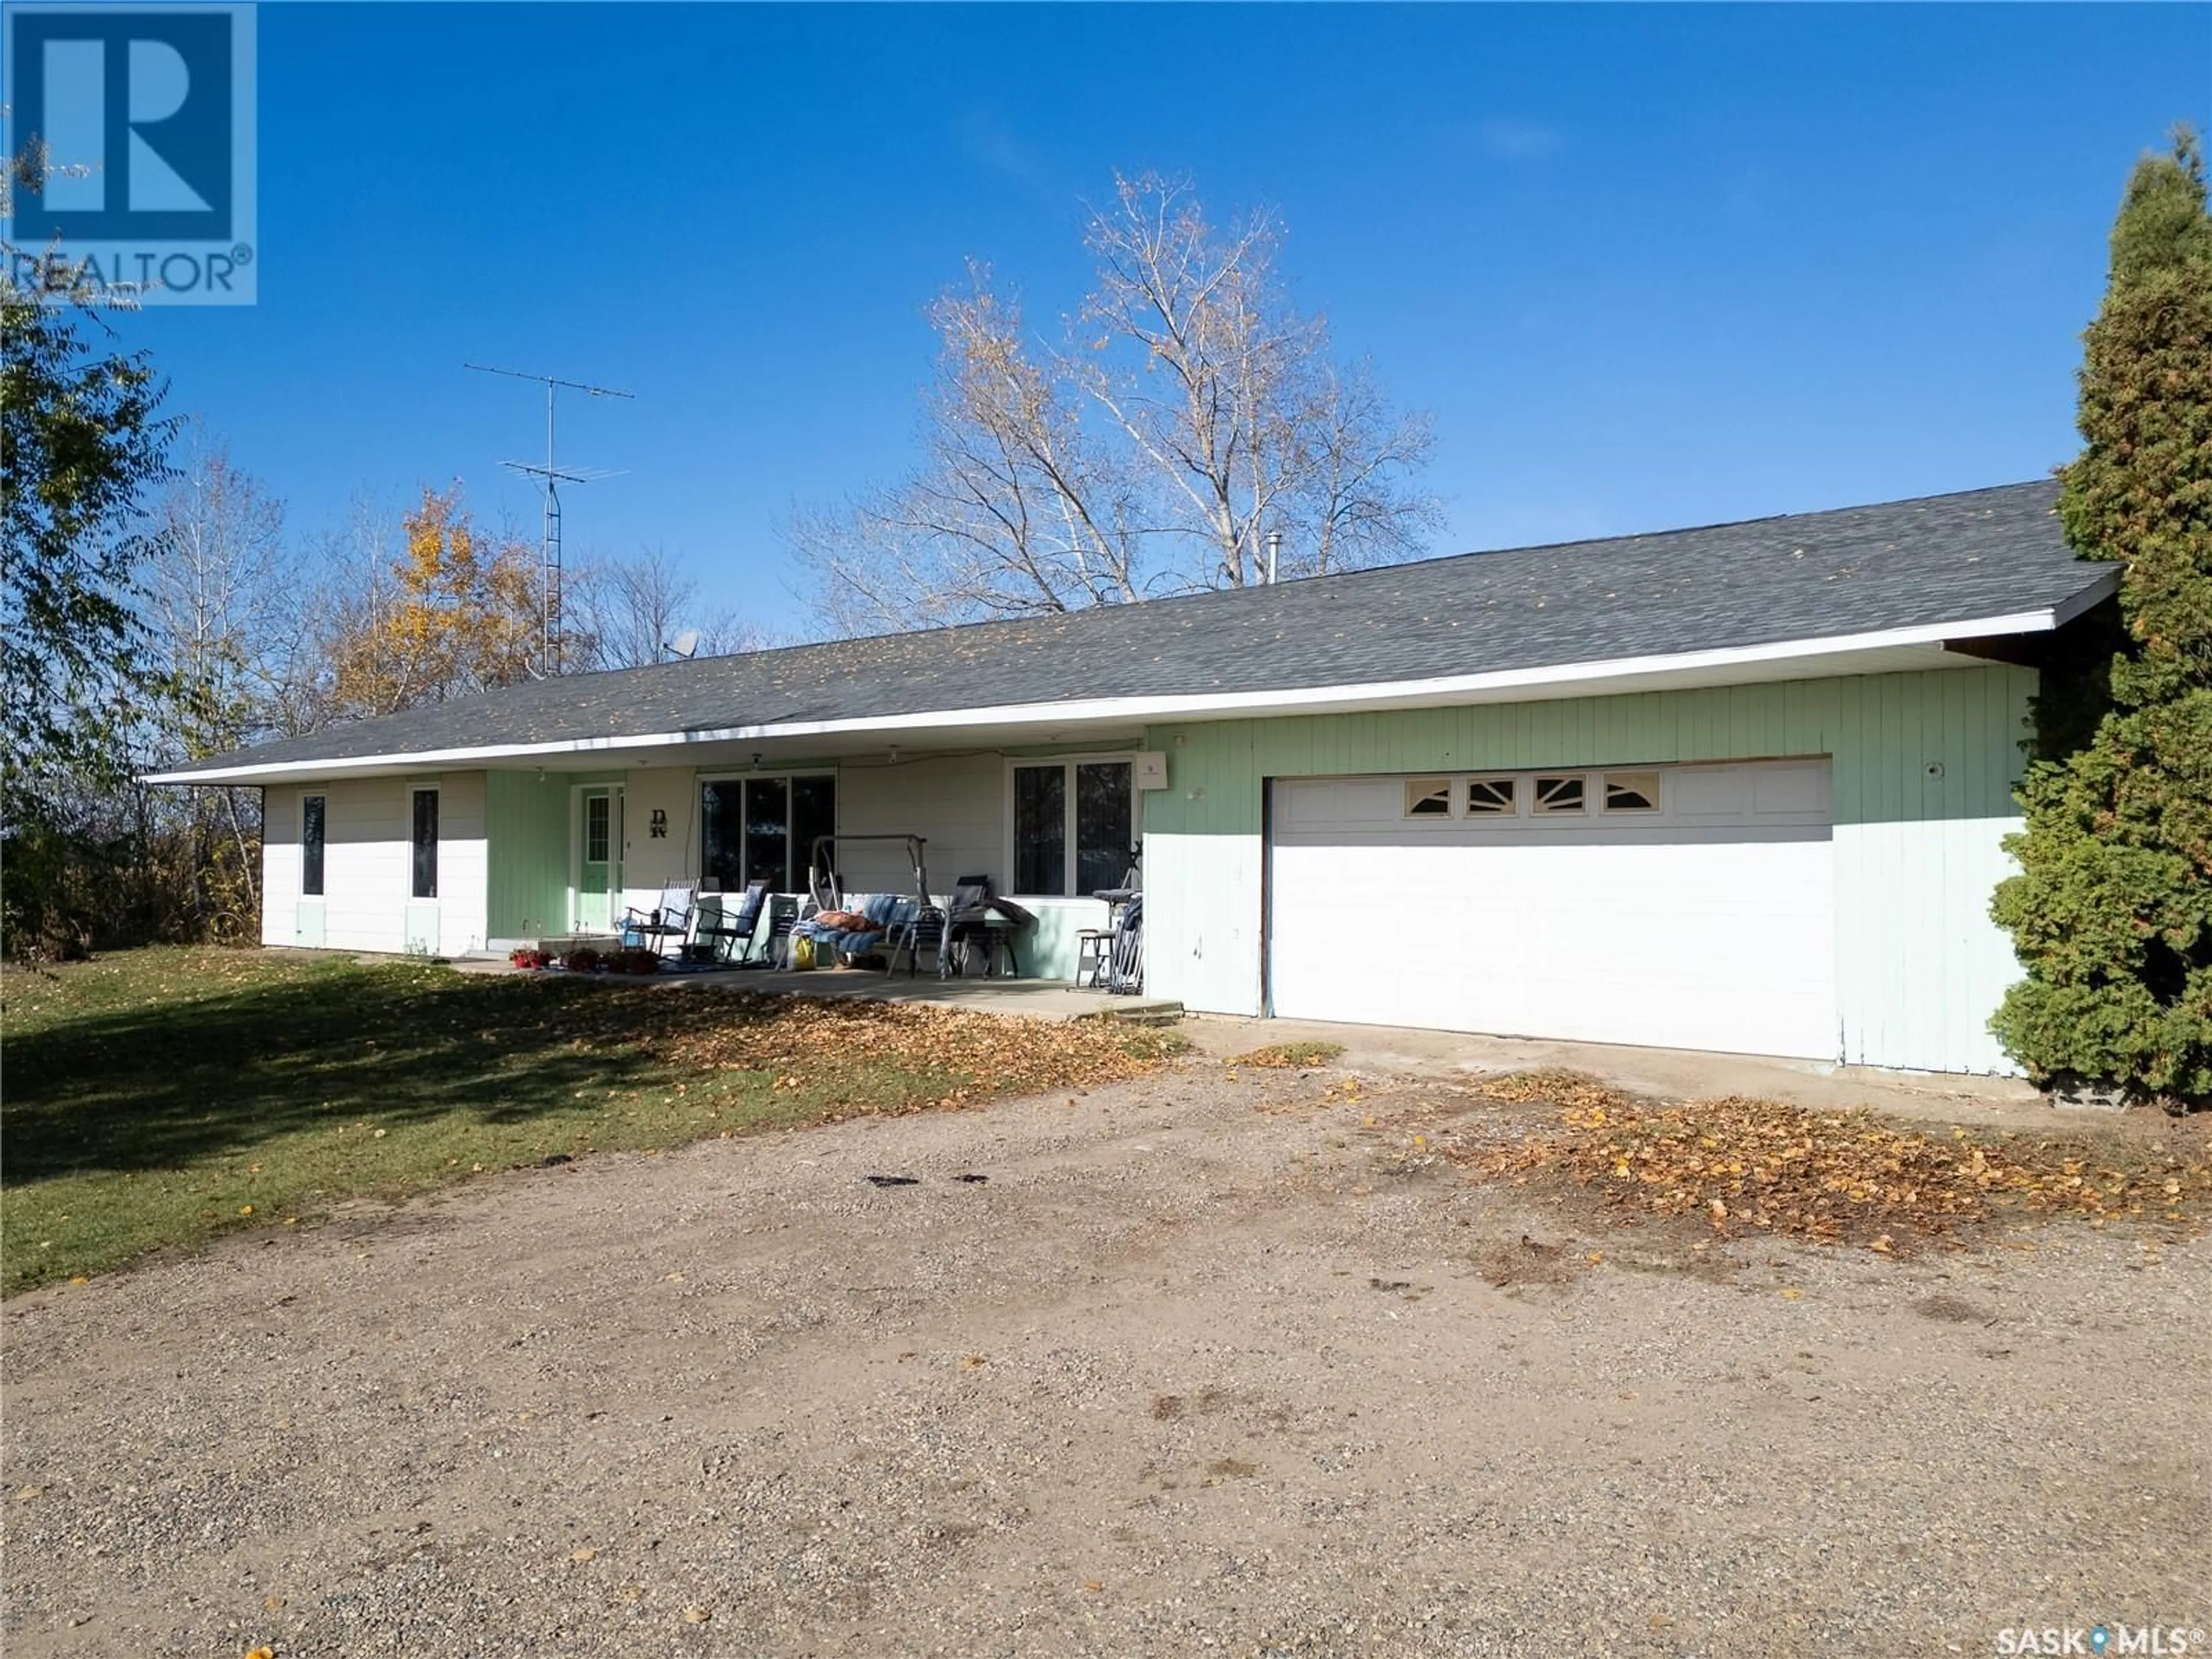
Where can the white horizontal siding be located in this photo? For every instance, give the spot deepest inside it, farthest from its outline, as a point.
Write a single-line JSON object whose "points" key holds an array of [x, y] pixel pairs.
{"points": [[365, 864], [650, 862], [280, 865], [464, 875], [958, 802], [367, 867]]}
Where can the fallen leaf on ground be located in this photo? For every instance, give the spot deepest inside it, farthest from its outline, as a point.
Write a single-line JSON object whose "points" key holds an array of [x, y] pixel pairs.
{"points": [[1767, 1167]]}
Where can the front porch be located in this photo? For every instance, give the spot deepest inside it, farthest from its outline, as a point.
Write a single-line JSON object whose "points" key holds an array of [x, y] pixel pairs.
{"points": [[569, 853]]}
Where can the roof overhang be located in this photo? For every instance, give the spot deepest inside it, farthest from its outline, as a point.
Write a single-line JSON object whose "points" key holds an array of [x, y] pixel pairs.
{"points": [[1892, 650]]}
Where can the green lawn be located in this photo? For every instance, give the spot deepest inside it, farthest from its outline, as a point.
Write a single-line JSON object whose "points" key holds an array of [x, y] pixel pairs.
{"points": [[155, 1097]]}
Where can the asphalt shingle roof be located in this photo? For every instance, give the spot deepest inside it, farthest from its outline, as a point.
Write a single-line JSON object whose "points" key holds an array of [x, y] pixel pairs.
{"points": [[1804, 576]]}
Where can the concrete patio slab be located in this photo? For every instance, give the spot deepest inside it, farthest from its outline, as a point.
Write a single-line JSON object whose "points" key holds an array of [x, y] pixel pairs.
{"points": [[1036, 998]]}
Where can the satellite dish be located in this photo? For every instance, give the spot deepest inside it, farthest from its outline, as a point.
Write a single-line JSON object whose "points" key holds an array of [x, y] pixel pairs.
{"points": [[685, 645]]}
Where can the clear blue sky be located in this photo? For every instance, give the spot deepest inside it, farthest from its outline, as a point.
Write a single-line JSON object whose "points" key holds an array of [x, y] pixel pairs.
{"points": [[1649, 266]]}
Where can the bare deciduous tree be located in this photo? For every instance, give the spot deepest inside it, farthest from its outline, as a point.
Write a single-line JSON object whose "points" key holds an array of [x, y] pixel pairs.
{"points": [[1190, 412], [623, 612], [226, 632]]}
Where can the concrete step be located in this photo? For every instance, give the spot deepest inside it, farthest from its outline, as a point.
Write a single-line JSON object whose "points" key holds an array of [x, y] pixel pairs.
{"points": [[1139, 1011]]}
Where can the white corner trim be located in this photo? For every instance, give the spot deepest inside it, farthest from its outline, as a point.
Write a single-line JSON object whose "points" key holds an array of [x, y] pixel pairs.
{"points": [[1200, 705]]}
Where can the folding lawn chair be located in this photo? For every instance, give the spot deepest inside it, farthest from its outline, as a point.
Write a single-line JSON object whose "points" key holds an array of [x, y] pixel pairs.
{"points": [[671, 919], [1125, 953], [731, 931]]}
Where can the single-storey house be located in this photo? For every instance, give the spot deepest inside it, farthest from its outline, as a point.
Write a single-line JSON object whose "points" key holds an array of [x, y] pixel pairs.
{"points": [[1741, 788]]}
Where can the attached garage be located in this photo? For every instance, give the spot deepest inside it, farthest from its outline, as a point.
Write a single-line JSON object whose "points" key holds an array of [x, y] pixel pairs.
{"points": [[1685, 907]]}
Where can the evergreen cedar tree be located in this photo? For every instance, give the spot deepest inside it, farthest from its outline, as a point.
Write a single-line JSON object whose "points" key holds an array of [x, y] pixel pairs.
{"points": [[2111, 912]]}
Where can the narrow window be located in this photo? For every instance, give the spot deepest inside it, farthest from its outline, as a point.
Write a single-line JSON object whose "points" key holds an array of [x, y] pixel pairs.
{"points": [[721, 840], [1428, 797], [1102, 824], [598, 814], [426, 843], [312, 811], [1631, 791], [767, 832], [1560, 794], [1041, 829], [813, 814], [1489, 797]]}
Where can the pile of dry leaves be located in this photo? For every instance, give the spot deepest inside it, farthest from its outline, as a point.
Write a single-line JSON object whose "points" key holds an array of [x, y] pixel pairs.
{"points": [[1289, 1056], [1759, 1165], [887, 1059]]}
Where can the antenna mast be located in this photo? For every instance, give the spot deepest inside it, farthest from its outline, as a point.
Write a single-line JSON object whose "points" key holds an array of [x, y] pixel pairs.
{"points": [[551, 477]]}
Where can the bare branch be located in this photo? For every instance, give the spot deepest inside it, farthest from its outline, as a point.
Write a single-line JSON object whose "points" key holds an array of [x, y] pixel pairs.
{"points": [[1190, 411]]}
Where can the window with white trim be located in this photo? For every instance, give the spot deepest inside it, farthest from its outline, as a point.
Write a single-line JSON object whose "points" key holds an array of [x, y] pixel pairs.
{"points": [[1631, 791], [763, 828], [1560, 793], [1428, 797], [1491, 797], [315, 817], [425, 848], [1074, 825]]}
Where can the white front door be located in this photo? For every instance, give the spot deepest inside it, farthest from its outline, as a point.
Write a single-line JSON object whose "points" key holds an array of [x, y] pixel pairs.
{"points": [[1688, 907]]}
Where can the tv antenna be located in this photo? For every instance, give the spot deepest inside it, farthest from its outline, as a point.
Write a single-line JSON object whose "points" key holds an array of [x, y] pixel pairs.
{"points": [[551, 477]]}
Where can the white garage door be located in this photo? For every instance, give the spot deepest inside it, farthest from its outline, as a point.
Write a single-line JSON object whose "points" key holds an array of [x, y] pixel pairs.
{"points": [[1687, 906]]}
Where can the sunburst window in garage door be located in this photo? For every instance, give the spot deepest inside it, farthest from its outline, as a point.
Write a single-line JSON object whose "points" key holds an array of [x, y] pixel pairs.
{"points": [[1489, 797], [1428, 797], [1560, 794], [1631, 791]]}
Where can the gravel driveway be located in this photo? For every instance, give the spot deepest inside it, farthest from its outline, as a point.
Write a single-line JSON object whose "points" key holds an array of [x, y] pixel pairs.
{"points": [[1205, 1365]]}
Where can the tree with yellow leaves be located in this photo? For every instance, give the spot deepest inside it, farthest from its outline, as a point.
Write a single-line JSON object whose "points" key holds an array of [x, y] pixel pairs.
{"points": [[456, 612]]}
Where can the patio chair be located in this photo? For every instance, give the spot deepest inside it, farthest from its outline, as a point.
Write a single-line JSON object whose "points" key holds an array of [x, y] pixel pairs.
{"points": [[671, 919], [731, 931], [782, 917], [923, 931], [1124, 956], [967, 919]]}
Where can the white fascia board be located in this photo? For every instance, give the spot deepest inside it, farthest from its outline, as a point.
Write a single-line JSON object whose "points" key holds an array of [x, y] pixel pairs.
{"points": [[1555, 680], [2106, 584]]}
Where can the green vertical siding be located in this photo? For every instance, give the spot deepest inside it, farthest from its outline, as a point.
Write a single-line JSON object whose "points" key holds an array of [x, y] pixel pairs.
{"points": [[526, 827], [1924, 765]]}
